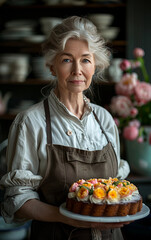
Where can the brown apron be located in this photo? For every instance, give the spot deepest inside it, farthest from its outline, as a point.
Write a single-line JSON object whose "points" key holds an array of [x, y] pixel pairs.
{"points": [[65, 166]]}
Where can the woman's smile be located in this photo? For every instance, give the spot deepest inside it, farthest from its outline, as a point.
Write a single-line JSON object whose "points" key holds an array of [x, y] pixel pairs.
{"points": [[77, 81]]}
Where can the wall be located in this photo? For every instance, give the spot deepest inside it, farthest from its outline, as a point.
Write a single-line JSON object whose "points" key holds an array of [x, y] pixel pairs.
{"points": [[139, 28]]}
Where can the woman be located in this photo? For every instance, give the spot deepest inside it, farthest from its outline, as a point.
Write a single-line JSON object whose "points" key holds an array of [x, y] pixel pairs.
{"points": [[48, 142]]}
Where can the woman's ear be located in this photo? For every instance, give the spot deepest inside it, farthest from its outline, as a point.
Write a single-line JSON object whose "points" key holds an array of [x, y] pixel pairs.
{"points": [[52, 70]]}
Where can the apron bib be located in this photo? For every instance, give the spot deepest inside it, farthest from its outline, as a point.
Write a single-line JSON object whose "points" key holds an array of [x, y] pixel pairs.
{"points": [[66, 165]]}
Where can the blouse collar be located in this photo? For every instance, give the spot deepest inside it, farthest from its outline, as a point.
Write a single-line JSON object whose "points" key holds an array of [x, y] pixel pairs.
{"points": [[88, 108]]}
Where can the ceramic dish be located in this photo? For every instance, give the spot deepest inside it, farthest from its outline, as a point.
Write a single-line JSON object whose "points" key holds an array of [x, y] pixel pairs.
{"points": [[13, 231], [143, 213]]}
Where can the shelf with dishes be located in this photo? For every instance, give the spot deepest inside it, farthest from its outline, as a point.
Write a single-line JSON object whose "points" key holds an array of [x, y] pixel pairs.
{"points": [[22, 32], [17, 96], [20, 29]]}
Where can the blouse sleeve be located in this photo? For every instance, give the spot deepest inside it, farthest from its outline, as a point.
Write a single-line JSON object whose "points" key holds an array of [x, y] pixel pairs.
{"points": [[22, 179]]}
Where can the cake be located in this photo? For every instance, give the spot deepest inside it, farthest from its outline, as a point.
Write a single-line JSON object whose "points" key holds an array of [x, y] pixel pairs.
{"points": [[104, 198]]}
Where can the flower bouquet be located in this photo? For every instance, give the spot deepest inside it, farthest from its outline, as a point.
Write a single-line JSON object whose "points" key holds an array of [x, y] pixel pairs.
{"points": [[131, 107]]}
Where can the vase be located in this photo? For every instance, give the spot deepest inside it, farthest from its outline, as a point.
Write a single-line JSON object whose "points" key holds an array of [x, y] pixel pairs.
{"points": [[138, 155]]}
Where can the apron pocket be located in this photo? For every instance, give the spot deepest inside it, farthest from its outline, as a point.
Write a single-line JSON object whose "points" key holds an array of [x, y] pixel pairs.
{"points": [[86, 164], [88, 156]]}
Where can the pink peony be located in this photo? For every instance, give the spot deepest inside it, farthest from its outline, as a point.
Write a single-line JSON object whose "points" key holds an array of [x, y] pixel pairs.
{"points": [[134, 112], [125, 65], [130, 133], [135, 123], [127, 84], [140, 140], [121, 106], [138, 52], [142, 93]]}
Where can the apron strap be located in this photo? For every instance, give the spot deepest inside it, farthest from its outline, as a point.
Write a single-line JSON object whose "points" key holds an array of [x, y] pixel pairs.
{"points": [[101, 126], [48, 121]]}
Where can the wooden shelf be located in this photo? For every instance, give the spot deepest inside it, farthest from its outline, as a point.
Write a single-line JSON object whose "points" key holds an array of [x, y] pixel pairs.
{"points": [[26, 44], [63, 6], [59, 10], [26, 83], [7, 116], [25, 47]]}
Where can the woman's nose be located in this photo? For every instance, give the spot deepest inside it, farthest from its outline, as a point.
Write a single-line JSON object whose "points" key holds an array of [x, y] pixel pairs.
{"points": [[76, 68]]}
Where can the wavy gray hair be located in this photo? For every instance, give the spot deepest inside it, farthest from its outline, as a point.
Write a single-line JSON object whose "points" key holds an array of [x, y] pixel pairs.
{"points": [[79, 28]]}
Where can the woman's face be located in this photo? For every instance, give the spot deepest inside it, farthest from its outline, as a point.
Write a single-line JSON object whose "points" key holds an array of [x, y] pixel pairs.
{"points": [[74, 67]]}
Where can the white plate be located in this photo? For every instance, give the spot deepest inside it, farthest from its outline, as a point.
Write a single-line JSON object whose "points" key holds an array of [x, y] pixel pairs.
{"points": [[143, 213]]}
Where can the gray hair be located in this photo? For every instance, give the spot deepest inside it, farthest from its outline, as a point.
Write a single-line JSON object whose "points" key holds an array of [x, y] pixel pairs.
{"points": [[77, 28]]}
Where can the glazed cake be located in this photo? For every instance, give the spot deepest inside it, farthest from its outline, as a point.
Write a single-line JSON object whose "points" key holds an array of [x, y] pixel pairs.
{"points": [[104, 197]]}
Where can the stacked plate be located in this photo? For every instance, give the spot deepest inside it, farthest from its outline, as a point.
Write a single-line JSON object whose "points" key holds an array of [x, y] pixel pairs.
{"points": [[14, 67], [18, 29], [39, 68], [17, 231], [48, 23]]}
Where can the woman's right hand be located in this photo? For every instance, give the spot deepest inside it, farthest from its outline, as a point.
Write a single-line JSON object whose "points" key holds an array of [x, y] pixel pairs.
{"points": [[37, 210]]}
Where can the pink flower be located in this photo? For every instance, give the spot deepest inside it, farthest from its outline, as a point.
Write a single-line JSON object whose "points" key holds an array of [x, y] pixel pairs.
{"points": [[138, 52], [135, 123], [125, 65], [116, 120], [73, 187], [130, 133], [93, 181], [127, 84], [140, 140], [121, 106], [142, 93], [134, 112]]}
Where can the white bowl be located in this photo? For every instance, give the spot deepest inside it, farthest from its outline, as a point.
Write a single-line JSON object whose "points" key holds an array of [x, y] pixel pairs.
{"points": [[20, 23], [110, 33], [13, 231], [101, 20], [35, 38], [52, 21]]}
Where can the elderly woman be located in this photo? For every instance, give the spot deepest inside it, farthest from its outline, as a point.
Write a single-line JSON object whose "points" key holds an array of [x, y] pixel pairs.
{"points": [[48, 142]]}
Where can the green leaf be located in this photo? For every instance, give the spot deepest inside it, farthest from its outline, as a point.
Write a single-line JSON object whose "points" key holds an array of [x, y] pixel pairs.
{"points": [[116, 183], [104, 183], [90, 190]]}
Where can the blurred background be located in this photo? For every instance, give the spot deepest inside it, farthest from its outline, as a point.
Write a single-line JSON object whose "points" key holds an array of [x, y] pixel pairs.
{"points": [[25, 24]]}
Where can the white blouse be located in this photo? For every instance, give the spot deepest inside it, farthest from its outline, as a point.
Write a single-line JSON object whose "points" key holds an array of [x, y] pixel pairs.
{"points": [[26, 152]]}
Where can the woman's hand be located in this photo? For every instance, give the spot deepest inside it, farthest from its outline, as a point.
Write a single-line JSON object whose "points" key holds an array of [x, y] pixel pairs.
{"points": [[35, 209]]}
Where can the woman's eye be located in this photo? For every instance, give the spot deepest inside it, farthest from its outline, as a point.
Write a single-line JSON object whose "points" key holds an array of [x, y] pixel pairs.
{"points": [[86, 60], [66, 60]]}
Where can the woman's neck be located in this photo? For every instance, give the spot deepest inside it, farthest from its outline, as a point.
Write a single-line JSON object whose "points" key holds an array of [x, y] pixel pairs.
{"points": [[73, 101]]}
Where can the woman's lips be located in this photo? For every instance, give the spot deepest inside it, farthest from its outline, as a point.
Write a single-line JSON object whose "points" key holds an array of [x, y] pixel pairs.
{"points": [[77, 81]]}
